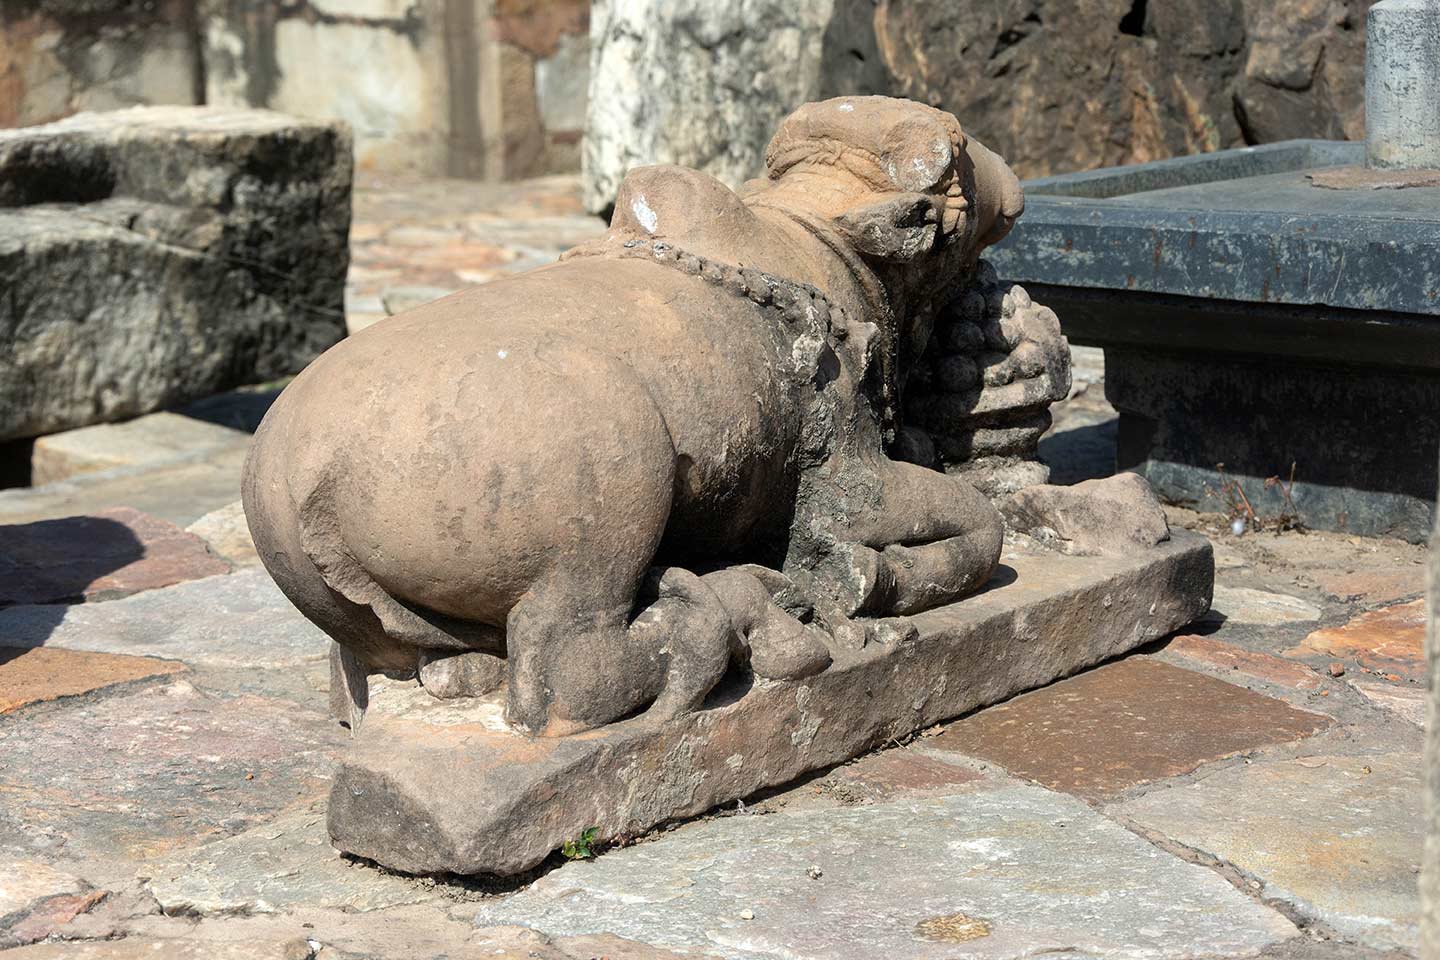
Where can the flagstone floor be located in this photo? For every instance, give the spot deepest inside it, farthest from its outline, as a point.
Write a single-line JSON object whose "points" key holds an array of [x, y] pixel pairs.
{"points": [[1248, 788]]}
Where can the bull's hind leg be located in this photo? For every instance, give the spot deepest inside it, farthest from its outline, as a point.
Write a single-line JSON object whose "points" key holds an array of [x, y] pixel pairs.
{"points": [[578, 660]]}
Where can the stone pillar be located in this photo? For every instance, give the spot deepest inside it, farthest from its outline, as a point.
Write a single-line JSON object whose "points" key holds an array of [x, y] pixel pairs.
{"points": [[1402, 84]]}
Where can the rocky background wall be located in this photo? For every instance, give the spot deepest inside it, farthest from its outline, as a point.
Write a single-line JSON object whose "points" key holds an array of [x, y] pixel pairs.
{"points": [[1053, 86], [491, 89]]}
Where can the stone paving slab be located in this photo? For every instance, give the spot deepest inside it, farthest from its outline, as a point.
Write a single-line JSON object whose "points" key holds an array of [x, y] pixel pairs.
{"points": [[1223, 657], [1338, 837], [1387, 641], [400, 933], [228, 534], [151, 439], [39, 674], [129, 777], [238, 620], [1405, 699], [285, 863], [181, 491], [24, 882], [1010, 872], [109, 554], [905, 771], [1126, 723], [1260, 607]]}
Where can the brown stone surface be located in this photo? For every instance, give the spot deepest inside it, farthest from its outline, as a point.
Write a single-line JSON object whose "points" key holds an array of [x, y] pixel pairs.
{"points": [[139, 774], [1219, 655], [105, 555], [1367, 178], [889, 773], [1389, 641], [445, 785], [1136, 721], [34, 675]]}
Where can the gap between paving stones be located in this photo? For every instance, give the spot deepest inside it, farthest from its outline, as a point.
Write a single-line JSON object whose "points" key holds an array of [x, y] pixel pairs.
{"points": [[1242, 880]]}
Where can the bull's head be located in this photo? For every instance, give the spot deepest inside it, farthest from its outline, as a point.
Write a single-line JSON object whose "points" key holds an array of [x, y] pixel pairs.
{"points": [[904, 189]]}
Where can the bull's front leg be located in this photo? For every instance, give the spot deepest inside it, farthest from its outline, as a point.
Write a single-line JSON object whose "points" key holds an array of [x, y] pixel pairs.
{"points": [[903, 539]]}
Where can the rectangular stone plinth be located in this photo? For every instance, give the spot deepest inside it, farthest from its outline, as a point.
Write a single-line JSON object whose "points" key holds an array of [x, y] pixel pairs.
{"points": [[444, 786]]}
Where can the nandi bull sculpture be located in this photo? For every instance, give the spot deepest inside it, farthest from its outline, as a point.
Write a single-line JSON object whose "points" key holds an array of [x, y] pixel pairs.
{"points": [[606, 481]]}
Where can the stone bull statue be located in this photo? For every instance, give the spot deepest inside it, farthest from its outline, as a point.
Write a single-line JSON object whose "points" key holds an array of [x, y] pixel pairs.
{"points": [[663, 456]]}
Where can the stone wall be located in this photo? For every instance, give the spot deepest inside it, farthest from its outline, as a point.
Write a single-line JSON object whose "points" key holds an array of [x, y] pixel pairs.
{"points": [[475, 88], [1054, 87], [58, 57]]}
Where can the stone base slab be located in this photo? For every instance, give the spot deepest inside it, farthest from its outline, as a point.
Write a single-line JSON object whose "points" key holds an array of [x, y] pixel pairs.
{"points": [[444, 786]]}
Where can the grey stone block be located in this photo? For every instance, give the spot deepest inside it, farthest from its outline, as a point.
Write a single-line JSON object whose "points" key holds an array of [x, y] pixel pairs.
{"points": [[158, 255]]}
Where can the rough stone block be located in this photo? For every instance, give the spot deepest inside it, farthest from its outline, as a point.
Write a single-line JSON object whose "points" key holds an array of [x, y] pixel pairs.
{"points": [[446, 786], [1126, 723], [157, 255], [1259, 607], [99, 557], [1117, 513]]}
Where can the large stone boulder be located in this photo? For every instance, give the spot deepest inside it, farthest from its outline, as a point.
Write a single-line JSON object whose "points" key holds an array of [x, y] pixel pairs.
{"points": [[696, 83], [158, 255]]}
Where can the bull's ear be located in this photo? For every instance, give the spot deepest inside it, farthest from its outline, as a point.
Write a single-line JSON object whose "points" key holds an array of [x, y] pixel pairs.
{"points": [[900, 227]]}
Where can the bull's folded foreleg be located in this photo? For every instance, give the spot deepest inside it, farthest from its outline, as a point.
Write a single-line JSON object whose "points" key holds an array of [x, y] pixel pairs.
{"points": [[917, 539]]}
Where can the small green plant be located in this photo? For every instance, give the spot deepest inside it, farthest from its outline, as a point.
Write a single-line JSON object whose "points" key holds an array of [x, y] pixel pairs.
{"points": [[581, 848]]}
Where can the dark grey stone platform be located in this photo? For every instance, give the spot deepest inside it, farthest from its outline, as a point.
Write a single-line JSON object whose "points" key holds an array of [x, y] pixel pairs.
{"points": [[1255, 319]]}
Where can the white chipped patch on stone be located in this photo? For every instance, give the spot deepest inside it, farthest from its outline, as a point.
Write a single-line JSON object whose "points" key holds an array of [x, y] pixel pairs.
{"points": [[643, 214]]}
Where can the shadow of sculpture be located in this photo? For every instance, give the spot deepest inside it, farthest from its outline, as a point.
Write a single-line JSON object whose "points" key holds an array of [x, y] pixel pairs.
{"points": [[49, 564]]}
